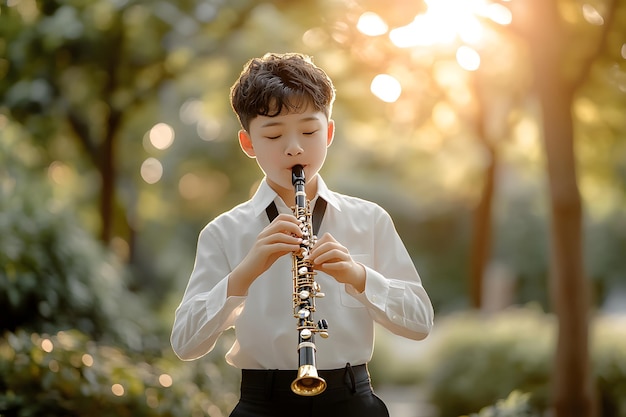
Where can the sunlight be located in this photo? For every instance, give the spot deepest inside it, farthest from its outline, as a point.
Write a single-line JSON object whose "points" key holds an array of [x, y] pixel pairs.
{"points": [[468, 58], [386, 88], [499, 14], [448, 20], [471, 31], [371, 24], [425, 30]]}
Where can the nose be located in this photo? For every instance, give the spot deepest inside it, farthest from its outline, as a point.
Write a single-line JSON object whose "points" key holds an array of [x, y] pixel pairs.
{"points": [[293, 146]]}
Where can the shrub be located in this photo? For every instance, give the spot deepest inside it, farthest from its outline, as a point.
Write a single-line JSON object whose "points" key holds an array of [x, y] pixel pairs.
{"points": [[55, 276], [478, 359], [515, 405], [609, 359], [67, 374]]}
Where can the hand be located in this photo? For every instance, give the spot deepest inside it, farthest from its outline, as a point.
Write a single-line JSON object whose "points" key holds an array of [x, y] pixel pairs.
{"points": [[282, 236], [333, 258]]}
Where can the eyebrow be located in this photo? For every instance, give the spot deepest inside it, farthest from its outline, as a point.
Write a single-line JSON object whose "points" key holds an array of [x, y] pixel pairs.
{"points": [[303, 120]]}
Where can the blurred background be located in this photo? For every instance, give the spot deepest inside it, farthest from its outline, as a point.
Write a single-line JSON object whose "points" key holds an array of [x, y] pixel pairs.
{"points": [[494, 133]]}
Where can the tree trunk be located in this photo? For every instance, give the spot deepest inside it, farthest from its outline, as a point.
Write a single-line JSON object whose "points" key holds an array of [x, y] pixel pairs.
{"points": [[481, 239], [107, 192], [572, 388], [572, 394]]}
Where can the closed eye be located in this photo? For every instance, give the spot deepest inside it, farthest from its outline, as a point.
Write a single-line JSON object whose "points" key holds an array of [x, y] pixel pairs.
{"points": [[310, 133], [272, 137]]}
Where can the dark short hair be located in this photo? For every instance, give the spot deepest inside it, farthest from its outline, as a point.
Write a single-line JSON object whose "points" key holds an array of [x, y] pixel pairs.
{"points": [[276, 81]]}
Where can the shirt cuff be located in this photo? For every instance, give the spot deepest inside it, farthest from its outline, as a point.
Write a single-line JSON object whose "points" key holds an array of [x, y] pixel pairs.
{"points": [[376, 292], [228, 304]]}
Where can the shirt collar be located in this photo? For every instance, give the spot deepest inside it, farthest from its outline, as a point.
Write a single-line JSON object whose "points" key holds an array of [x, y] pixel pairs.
{"points": [[265, 195], [326, 194]]}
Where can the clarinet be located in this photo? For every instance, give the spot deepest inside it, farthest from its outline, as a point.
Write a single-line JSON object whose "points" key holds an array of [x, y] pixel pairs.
{"points": [[305, 290]]}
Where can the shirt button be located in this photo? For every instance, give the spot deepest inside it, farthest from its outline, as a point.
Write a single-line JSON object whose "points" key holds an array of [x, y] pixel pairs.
{"points": [[374, 298]]}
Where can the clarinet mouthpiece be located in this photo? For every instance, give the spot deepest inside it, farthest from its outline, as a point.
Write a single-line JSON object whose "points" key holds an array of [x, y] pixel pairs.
{"points": [[297, 175]]}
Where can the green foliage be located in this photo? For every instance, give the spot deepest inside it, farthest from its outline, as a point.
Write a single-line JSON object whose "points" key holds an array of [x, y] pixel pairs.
{"points": [[67, 374], [515, 405], [49, 268], [477, 360], [75, 341], [480, 360], [53, 274], [609, 348]]}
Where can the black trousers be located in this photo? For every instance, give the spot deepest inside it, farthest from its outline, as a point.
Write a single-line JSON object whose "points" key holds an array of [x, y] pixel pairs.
{"points": [[267, 393]]}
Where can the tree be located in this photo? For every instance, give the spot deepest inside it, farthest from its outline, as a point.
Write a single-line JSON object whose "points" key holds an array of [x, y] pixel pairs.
{"points": [[562, 55], [89, 69], [556, 84]]}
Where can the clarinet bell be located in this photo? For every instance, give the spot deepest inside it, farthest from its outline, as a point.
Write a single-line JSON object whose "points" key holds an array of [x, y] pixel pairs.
{"points": [[308, 383]]}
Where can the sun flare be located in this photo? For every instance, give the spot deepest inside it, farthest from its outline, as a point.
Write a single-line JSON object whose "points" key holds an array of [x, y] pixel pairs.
{"points": [[444, 22]]}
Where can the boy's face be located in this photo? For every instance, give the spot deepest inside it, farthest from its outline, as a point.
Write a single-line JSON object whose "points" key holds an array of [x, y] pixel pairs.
{"points": [[291, 138]]}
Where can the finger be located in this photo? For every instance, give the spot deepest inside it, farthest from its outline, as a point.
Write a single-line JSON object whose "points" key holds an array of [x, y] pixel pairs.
{"points": [[279, 237], [321, 248], [330, 256], [285, 227], [326, 238], [286, 217], [329, 267], [266, 252]]}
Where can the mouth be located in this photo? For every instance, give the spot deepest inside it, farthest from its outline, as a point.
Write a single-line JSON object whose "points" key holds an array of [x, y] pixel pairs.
{"points": [[297, 173]]}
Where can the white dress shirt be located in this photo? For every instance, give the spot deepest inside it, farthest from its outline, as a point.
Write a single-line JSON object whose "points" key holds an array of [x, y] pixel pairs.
{"points": [[265, 329]]}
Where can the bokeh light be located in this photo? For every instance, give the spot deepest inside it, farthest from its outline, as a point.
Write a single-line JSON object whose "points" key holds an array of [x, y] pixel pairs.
{"points": [[46, 345], [468, 58], [117, 389], [151, 170], [371, 24], [190, 186], [165, 380], [386, 88], [209, 130], [191, 111], [592, 15], [162, 136], [59, 173]]}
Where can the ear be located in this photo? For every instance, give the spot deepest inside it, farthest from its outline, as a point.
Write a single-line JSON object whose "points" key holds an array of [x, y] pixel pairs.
{"points": [[246, 143], [331, 132]]}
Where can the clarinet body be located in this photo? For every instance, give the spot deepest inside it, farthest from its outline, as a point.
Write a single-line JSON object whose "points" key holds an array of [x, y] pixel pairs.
{"points": [[305, 290]]}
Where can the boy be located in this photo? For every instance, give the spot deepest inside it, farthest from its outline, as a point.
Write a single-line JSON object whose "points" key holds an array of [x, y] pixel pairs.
{"points": [[242, 276]]}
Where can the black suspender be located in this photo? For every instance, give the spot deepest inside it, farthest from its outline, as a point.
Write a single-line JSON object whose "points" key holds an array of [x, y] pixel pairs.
{"points": [[271, 211], [318, 213]]}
